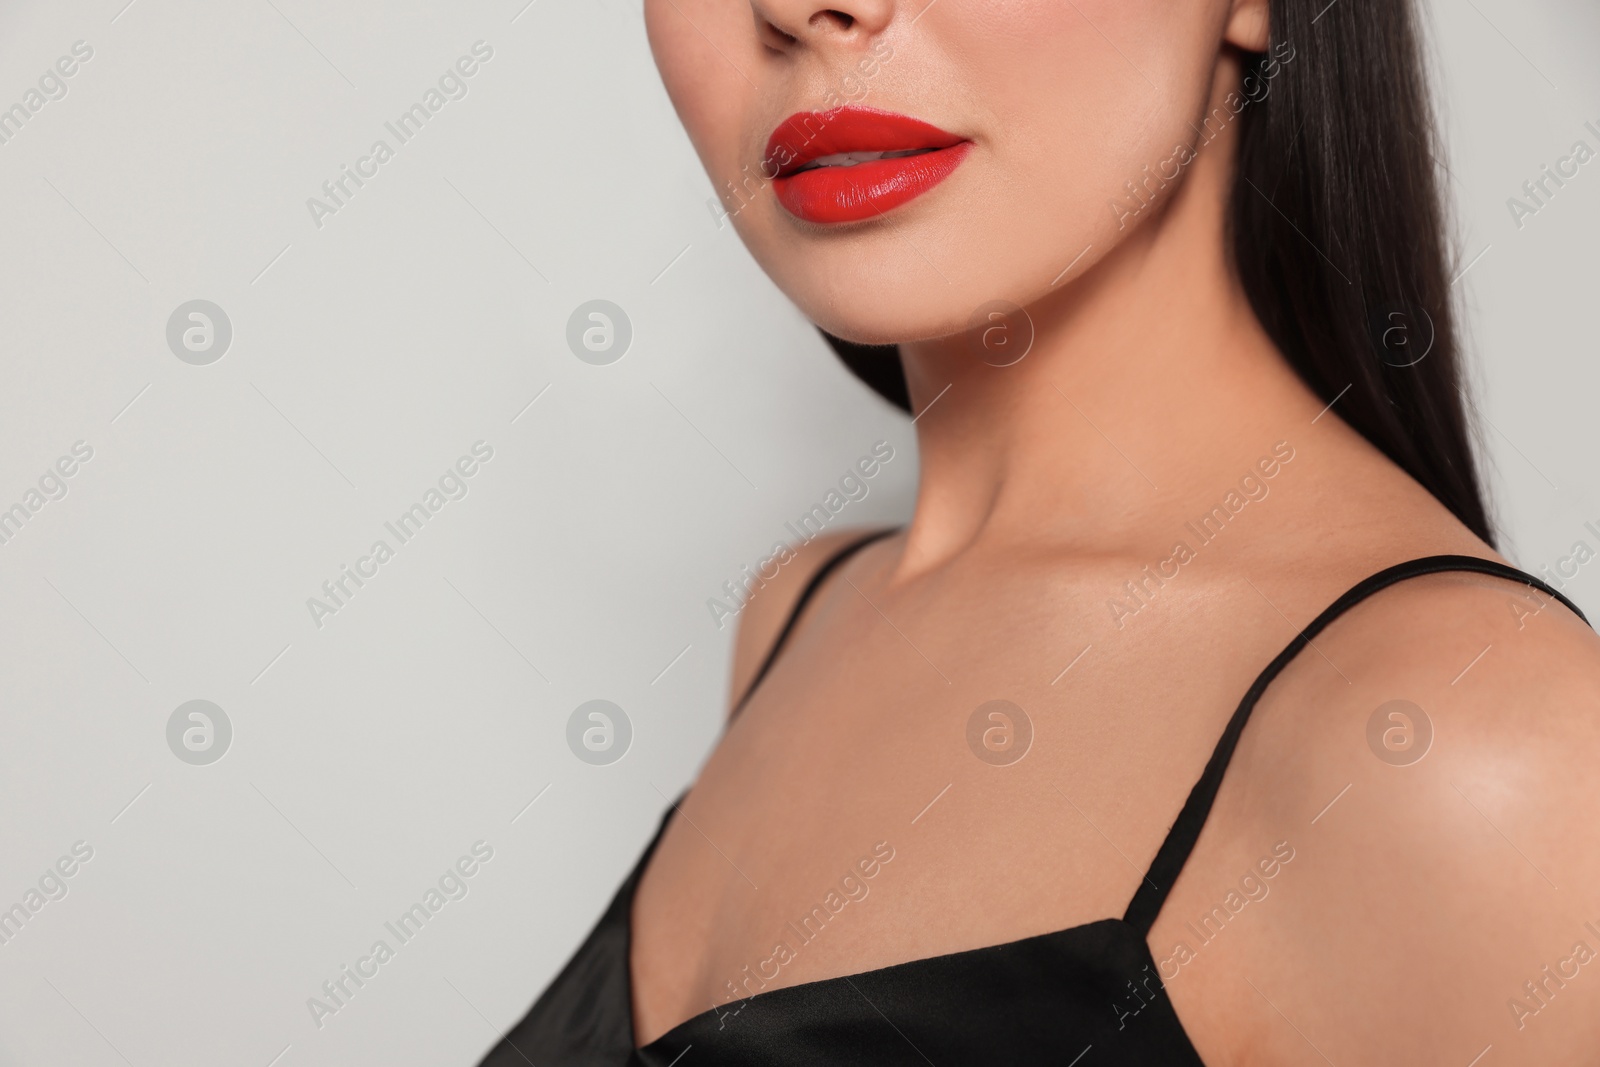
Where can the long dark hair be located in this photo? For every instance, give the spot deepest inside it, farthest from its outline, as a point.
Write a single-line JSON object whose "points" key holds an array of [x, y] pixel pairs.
{"points": [[1338, 236]]}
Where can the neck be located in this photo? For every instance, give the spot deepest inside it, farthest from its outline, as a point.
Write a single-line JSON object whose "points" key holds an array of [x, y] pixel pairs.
{"points": [[1149, 380]]}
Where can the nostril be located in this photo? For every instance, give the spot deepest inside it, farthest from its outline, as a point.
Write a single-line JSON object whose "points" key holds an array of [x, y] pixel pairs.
{"points": [[838, 20], [820, 23]]}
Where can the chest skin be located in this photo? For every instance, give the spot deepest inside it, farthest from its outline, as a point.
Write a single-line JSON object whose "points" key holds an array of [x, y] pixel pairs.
{"points": [[858, 745]]}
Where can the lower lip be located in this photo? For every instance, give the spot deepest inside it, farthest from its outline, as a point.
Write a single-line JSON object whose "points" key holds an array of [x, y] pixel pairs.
{"points": [[866, 190]]}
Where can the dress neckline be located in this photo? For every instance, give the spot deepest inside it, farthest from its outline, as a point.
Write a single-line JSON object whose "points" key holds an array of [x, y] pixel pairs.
{"points": [[667, 1036]]}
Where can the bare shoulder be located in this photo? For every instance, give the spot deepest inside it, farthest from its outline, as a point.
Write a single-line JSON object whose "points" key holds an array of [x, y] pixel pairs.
{"points": [[782, 580], [1433, 758], [1488, 671]]}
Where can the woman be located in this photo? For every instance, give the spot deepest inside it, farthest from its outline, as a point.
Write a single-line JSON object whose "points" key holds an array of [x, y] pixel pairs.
{"points": [[1192, 718]]}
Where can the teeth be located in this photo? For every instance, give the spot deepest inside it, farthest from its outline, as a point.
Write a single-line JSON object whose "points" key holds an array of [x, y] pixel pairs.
{"points": [[850, 159]]}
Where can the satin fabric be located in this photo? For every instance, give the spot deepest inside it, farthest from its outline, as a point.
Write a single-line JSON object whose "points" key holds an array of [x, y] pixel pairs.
{"points": [[1089, 992]]}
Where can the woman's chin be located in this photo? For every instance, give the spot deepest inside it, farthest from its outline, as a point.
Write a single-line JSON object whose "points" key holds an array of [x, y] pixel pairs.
{"points": [[869, 326], [885, 307], [884, 293]]}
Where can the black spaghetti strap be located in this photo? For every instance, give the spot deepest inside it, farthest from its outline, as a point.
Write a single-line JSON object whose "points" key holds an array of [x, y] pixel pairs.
{"points": [[812, 586], [1174, 853]]}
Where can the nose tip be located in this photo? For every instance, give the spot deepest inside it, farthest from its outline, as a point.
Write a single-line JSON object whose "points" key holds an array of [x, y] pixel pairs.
{"points": [[812, 22]]}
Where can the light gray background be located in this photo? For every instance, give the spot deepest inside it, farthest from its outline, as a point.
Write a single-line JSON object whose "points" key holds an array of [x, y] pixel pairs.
{"points": [[367, 356]]}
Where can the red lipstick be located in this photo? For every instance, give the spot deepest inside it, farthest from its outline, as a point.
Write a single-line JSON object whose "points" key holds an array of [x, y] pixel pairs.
{"points": [[856, 163]]}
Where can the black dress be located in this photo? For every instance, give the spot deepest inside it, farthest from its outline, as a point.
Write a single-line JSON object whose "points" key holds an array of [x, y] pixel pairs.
{"points": [[1090, 996]]}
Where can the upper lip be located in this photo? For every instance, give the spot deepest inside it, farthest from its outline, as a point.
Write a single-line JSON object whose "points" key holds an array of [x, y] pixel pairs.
{"points": [[807, 136]]}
